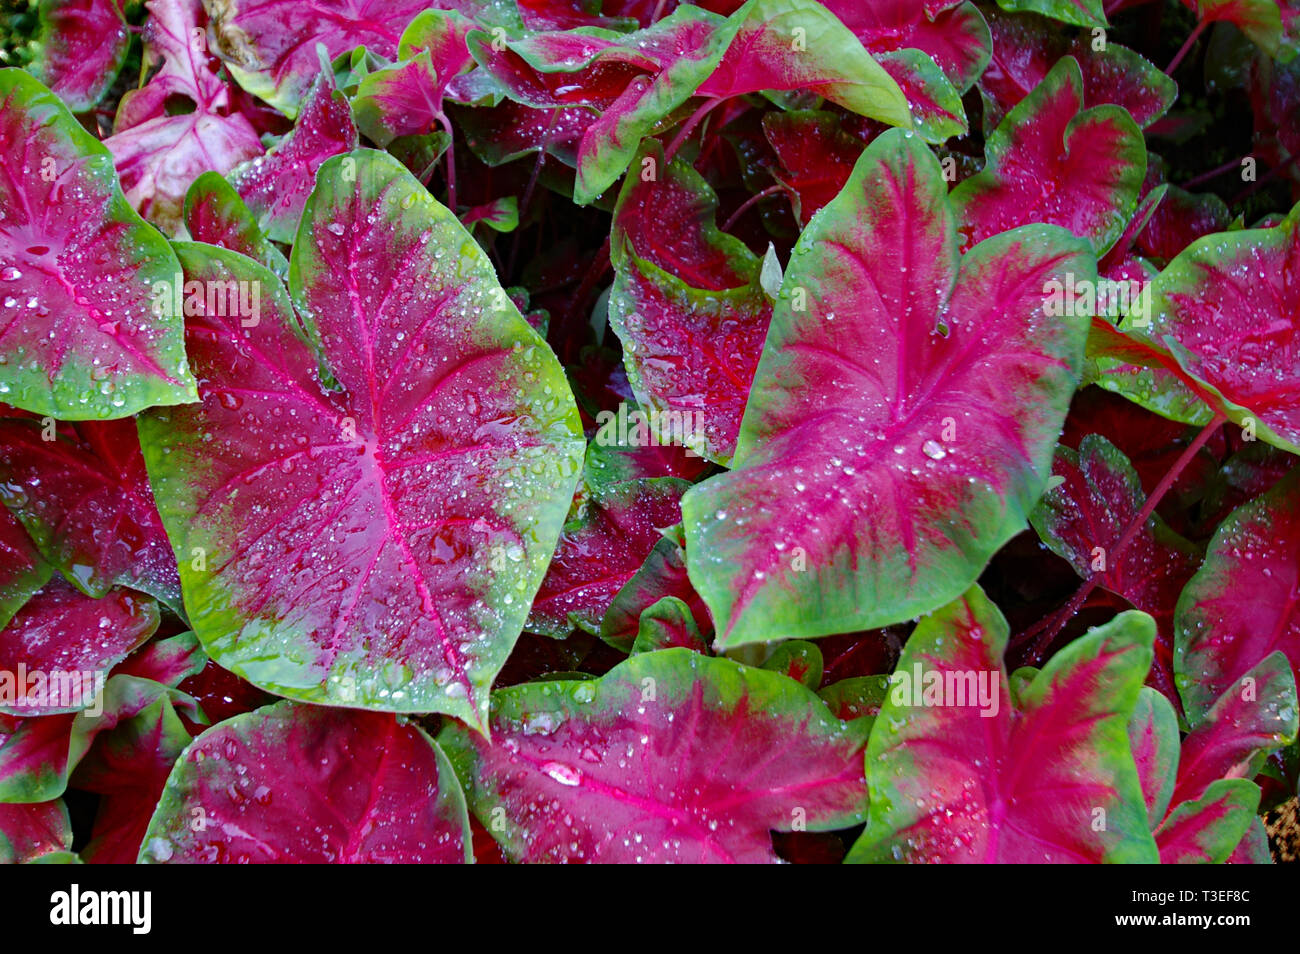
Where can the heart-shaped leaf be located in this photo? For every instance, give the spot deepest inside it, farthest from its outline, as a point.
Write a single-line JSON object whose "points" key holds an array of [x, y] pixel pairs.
{"points": [[276, 185], [1222, 310], [374, 542], [84, 497], [900, 384], [600, 550], [1081, 520], [670, 756], [1242, 604], [957, 775], [951, 32], [215, 214], [160, 148], [688, 305], [56, 652], [1207, 830], [800, 46], [270, 48], [1052, 160], [632, 80], [79, 337], [1025, 48], [405, 99], [80, 49], [662, 577], [310, 785]]}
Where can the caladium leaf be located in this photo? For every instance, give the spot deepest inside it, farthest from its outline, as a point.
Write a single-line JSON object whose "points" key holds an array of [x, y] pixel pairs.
{"points": [[633, 81], [956, 778], [270, 48], [168, 661], [128, 767], [1207, 830], [1253, 849], [84, 497], [34, 757], [800, 46], [1085, 13], [816, 154], [900, 383], [405, 99], [1153, 739], [1241, 606], [1220, 310], [22, 570], [80, 49], [953, 34], [1254, 716], [310, 785], [935, 104], [670, 756], [1051, 160], [28, 832], [78, 335], [662, 576], [1179, 219], [509, 130], [159, 151], [798, 659], [1264, 21], [1025, 47], [37, 754], [275, 186], [416, 502], [858, 697], [688, 305], [215, 214], [1081, 520], [600, 550], [666, 624], [56, 652]]}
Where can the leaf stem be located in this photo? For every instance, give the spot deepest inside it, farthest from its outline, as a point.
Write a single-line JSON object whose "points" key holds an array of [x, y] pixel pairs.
{"points": [[1051, 627], [1187, 45], [749, 204], [1215, 172], [689, 126]]}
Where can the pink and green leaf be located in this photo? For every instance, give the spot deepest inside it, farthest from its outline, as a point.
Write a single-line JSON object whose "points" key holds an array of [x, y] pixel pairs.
{"points": [[158, 151], [350, 503], [78, 332], [1222, 309], [65, 642], [28, 832], [215, 214], [959, 781], [310, 785], [1208, 830], [276, 186], [82, 492], [800, 46], [270, 47], [80, 49], [670, 756], [23, 570], [1083, 517], [600, 550], [954, 34], [688, 306], [1025, 48], [1052, 160], [1244, 603], [900, 383]]}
